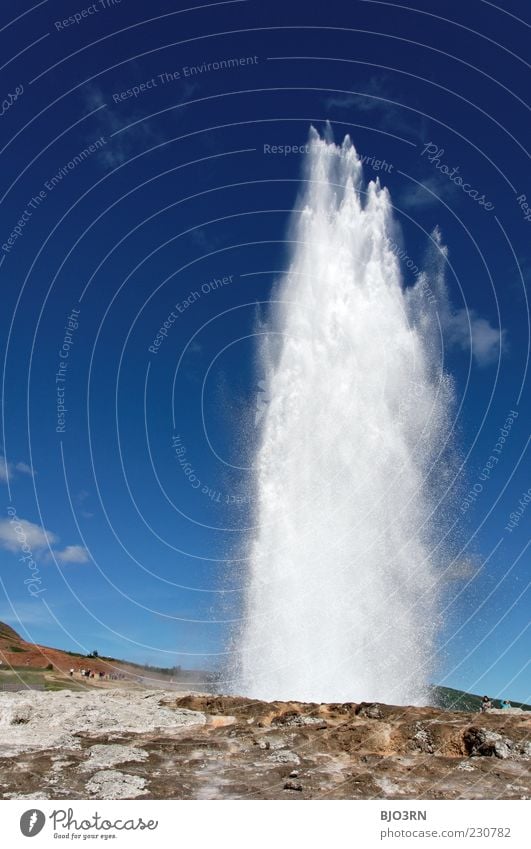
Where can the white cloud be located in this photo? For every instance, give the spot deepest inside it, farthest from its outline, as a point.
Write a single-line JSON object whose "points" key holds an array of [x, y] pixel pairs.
{"points": [[14, 533], [468, 330], [8, 471], [21, 535], [25, 469], [72, 554]]}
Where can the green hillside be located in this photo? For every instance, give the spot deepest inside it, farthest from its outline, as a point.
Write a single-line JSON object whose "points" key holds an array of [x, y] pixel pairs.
{"points": [[450, 699]]}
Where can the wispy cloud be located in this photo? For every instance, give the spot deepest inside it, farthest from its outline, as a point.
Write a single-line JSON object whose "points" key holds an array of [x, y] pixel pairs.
{"points": [[81, 498], [8, 470], [373, 102], [24, 615], [204, 242], [72, 554], [427, 193], [121, 147]]}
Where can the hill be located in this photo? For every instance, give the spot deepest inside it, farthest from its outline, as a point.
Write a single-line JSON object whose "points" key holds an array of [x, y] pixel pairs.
{"points": [[24, 664], [449, 699], [17, 652]]}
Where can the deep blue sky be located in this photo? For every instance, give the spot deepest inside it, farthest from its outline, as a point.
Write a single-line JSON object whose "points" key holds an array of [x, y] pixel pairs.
{"points": [[181, 192]]}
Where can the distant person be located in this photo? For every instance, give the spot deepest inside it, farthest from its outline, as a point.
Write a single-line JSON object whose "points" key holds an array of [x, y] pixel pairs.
{"points": [[71, 673], [506, 705], [486, 704]]}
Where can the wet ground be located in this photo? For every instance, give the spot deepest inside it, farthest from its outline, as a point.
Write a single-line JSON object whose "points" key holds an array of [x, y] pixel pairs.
{"points": [[213, 747]]}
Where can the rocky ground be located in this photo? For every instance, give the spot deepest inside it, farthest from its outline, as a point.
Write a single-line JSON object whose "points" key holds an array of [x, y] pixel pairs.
{"points": [[116, 744]]}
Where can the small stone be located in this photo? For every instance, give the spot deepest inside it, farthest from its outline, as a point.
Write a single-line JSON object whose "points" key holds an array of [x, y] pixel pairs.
{"points": [[293, 785]]}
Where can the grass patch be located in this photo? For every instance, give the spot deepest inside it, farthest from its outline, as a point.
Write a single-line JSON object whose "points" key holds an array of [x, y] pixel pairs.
{"points": [[36, 677], [55, 686], [24, 678]]}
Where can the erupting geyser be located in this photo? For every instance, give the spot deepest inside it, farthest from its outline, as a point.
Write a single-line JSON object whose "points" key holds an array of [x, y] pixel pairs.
{"points": [[342, 588]]}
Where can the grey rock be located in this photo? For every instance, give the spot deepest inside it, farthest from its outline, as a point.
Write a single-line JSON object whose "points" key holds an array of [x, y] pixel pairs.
{"points": [[107, 756], [285, 757], [112, 784], [371, 711], [482, 742]]}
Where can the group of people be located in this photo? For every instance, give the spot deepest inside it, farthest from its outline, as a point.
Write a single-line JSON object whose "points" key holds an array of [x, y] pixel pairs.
{"points": [[487, 704], [88, 673]]}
